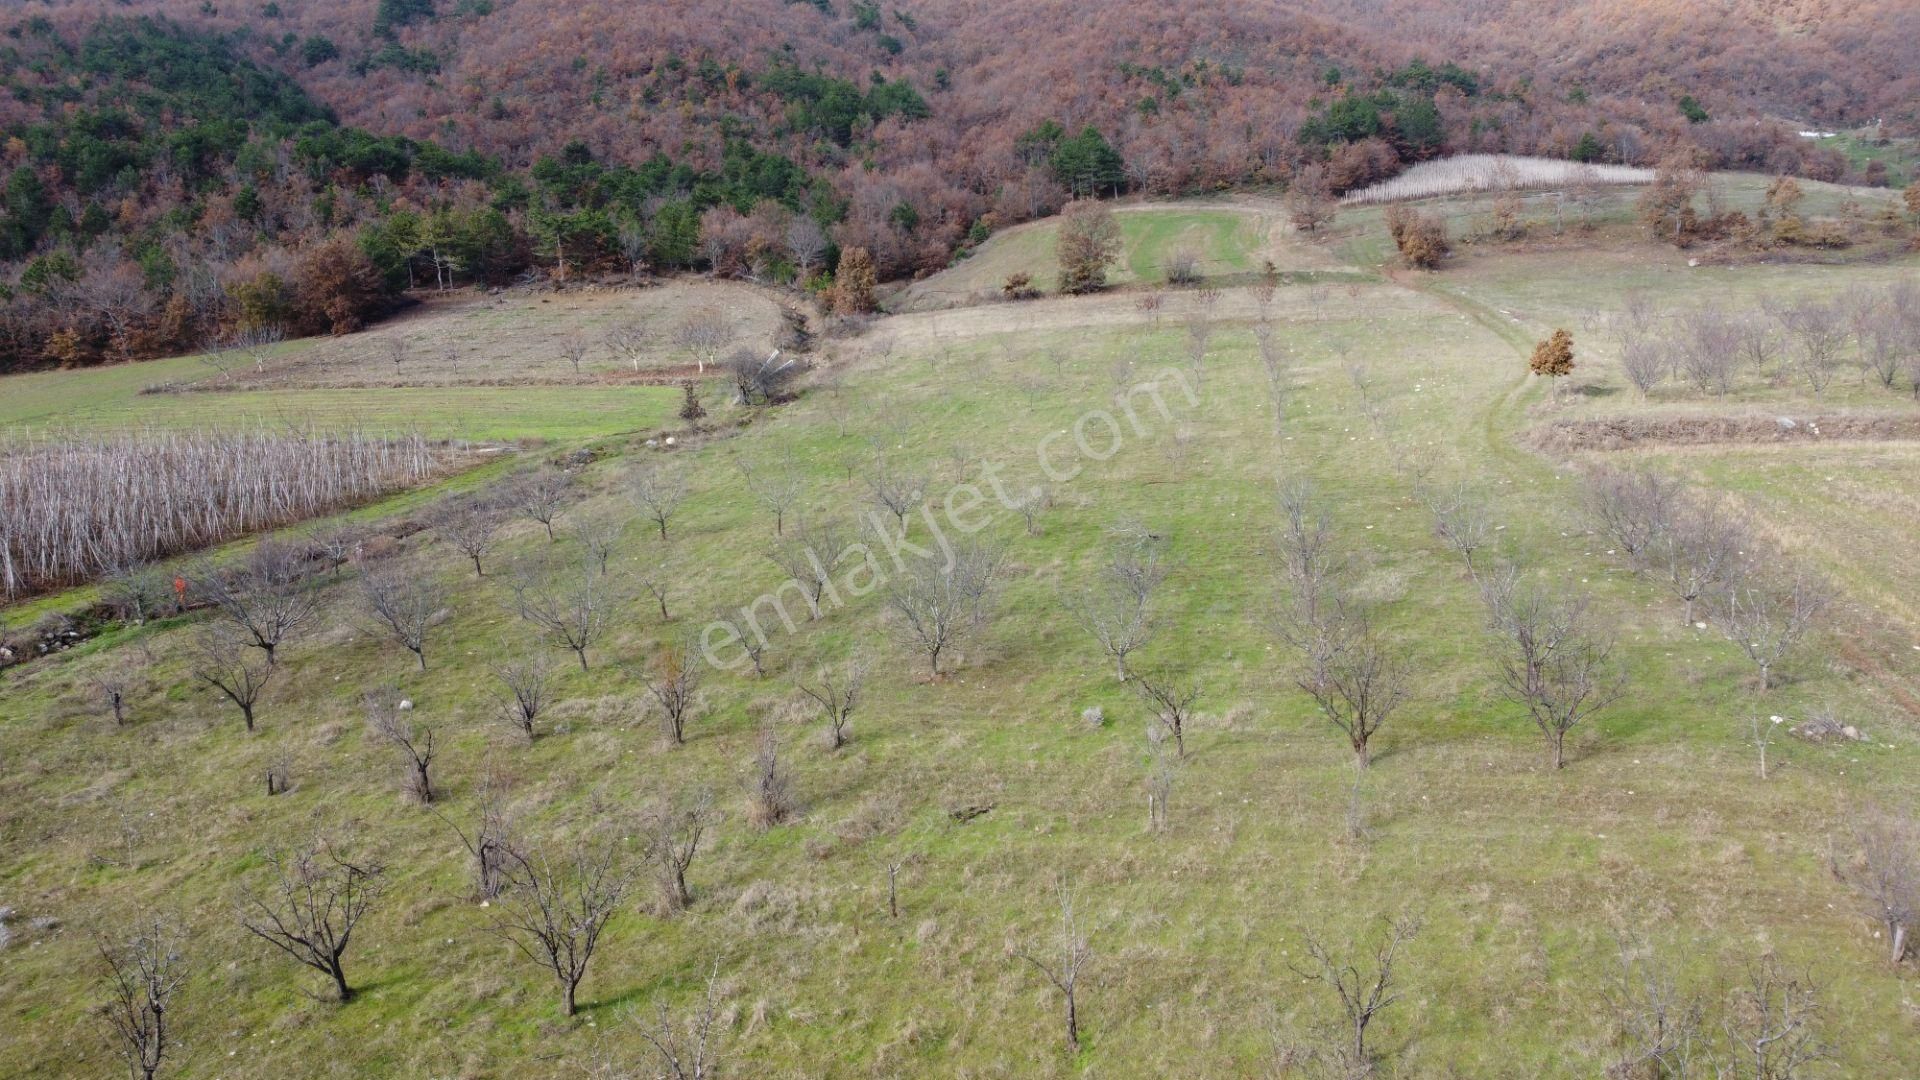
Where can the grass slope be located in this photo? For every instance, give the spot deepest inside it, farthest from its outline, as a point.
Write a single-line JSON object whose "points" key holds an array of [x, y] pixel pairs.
{"points": [[1527, 880]]}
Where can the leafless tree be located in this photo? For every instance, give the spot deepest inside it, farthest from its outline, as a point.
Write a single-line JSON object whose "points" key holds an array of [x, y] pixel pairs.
{"points": [[1170, 698], [111, 686], [1819, 331], [221, 661], [1117, 609], [1310, 560], [745, 633], [137, 591], [541, 494], [403, 604], [555, 916], [1364, 993], [658, 492], [525, 683], [672, 831], [313, 906], [1646, 362], [770, 798], [1770, 1023], [1886, 874], [629, 342], [1658, 1027], [658, 581], [573, 349], [890, 864], [1709, 350], [674, 683], [703, 333], [1063, 963], [1462, 518], [472, 529], [1199, 324], [897, 491], [1704, 550], [1182, 266], [396, 350], [1758, 345], [1030, 504], [777, 485], [490, 841], [1551, 660], [806, 244], [808, 558], [266, 600], [689, 1050], [1354, 679], [144, 974], [256, 343], [337, 544], [1632, 508], [389, 722], [936, 607], [599, 536], [571, 616], [837, 693], [764, 378], [1768, 620]]}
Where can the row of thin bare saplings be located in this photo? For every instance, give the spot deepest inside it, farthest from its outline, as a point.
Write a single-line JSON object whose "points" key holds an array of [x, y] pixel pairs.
{"points": [[73, 508]]}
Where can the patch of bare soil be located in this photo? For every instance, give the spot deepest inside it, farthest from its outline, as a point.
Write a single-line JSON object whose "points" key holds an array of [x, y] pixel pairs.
{"points": [[1627, 432]]}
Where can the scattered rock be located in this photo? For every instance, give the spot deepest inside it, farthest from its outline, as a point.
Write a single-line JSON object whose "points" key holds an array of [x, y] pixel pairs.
{"points": [[1094, 717], [1827, 729]]}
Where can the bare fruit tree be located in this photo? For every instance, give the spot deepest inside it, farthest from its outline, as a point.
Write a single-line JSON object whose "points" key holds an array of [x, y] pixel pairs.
{"points": [[541, 494], [1705, 550], [555, 917], [599, 537], [770, 799], [936, 607], [572, 615], [674, 683], [808, 558], [313, 906], [403, 604], [672, 830], [1771, 1020], [1355, 681], [1364, 992], [629, 342], [144, 973], [836, 693], [389, 722], [1819, 331], [220, 660], [1632, 508], [689, 1049], [1117, 609], [778, 486], [266, 600], [1462, 518], [703, 334], [1886, 874], [658, 492], [894, 490], [525, 698], [1169, 697], [573, 350], [472, 529], [1064, 962], [1768, 620], [1550, 658], [491, 840]]}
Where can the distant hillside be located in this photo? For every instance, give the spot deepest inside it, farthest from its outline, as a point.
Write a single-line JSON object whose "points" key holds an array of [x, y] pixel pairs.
{"points": [[463, 140]]}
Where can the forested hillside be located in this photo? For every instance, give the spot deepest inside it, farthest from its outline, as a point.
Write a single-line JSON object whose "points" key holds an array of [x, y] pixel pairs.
{"points": [[180, 170]]}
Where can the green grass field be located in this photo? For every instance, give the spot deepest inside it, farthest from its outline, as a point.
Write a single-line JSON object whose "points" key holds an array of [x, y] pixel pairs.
{"points": [[1528, 881]]}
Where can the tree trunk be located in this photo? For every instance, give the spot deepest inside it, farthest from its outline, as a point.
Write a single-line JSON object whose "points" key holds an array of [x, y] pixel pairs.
{"points": [[477, 571], [1899, 943], [568, 1006], [1559, 745], [246, 712], [1073, 1024], [340, 982], [1766, 682], [421, 655], [582, 654], [1362, 756]]}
